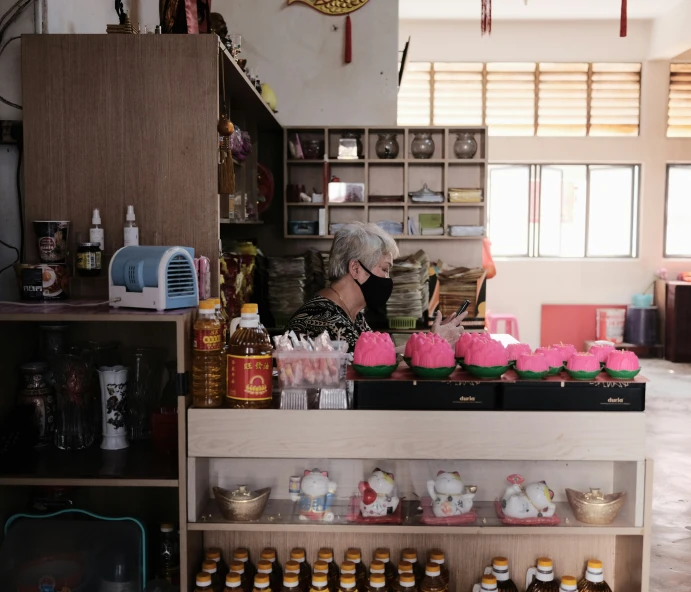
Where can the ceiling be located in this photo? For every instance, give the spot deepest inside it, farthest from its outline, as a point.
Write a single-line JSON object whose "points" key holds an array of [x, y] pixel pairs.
{"points": [[534, 10]]}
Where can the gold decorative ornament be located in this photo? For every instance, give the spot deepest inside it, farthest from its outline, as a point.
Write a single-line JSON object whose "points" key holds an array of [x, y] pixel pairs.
{"points": [[241, 504], [595, 507], [333, 7]]}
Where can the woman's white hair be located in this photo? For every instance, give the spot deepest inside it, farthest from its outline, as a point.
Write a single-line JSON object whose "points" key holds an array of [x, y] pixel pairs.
{"points": [[360, 242]]}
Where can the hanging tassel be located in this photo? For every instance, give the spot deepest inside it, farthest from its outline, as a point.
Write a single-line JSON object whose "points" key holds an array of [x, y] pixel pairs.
{"points": [[486, 17], [624, 19], [348, 41]]}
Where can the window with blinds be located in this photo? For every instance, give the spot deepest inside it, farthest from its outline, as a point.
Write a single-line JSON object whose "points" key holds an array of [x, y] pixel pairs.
{"points": [[615, 99], [679, 107], [545, 99]]}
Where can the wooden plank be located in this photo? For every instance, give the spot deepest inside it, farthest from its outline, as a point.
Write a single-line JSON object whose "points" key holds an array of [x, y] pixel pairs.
{"points": [[418, 435], [118, 120], [88, 310], [185, 574]]}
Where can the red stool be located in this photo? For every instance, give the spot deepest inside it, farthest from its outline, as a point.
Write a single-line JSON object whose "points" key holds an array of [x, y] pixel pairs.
{"points": [[510, 323]]}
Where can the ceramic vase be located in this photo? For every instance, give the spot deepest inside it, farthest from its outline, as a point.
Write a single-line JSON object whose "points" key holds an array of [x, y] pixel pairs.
{"points": [[465, 145], [387, 146], [422, 145], [113, 380]]}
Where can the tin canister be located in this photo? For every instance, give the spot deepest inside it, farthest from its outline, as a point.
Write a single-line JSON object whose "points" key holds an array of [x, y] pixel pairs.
{"points": [[51, 238], [43, 281]]}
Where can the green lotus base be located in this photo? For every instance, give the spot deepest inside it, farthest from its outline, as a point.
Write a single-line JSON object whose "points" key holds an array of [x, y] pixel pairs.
{"points": [[555, 370], [487, 371], [460, 362], [582, 375], [528, 375], [443, 372], [407, 360], [375, 371], [623, 374]]}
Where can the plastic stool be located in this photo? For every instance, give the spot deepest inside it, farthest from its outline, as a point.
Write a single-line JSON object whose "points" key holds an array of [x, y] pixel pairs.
{"points": [[510, 322]]}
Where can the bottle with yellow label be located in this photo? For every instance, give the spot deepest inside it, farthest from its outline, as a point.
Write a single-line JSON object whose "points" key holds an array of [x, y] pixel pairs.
{"points": [[249, 363], [207, 362], [384, 556], [406, 582], [594, 580], [327, 555]]}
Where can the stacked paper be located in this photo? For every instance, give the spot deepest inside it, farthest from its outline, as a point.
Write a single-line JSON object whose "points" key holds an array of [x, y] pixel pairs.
{"points": [[410, 296]]}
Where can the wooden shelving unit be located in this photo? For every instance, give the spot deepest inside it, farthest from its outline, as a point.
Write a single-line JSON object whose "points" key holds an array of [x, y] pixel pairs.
{"points": [[381, 177]]}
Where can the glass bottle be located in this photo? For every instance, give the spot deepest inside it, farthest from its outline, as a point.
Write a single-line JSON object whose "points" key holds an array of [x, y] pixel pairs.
{"points": [[264, 566], [319, 583], [437, 556], [169, 554], [594, 580], [406, 582], [261, 583], [276, 571], [238, 567], [432, 581], [404, 567], [203, 582], [384, 556], [298, 554], [209, 567], [376, 567], [326, 554], [291, 581], [207, 364], [488, 584], [355, 556], [543, 575], [214, 554], [293, 568], [500, 570], [348, 569], [410, 555], [377, 581], [233, 581], [568, 584], [242, 554], [347, 581], [321, 567], [250, 367]]}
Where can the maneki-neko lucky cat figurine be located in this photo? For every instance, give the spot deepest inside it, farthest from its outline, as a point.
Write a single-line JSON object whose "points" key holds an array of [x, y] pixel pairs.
{"points": [[378, 495], [449, 496], [316, 496], [533, 500]]}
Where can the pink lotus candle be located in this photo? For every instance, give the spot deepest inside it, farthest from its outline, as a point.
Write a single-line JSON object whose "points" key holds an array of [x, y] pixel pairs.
{"points": [[413, 343], [374, 349], [582, 362], [487, 354], [516, 350], [622, 360], [566, 349], [436, 353], [462, 345], [552, 355], [601, 352], [532, 363]]}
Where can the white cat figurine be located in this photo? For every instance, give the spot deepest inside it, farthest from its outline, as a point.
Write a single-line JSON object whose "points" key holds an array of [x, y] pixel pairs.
{"points": [[316, 495], [378, 495], [449, 496], [533, 500]]}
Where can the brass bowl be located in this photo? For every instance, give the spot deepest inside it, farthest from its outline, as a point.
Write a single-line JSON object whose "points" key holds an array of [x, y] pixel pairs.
{"points": [[241, 505], [595, 507]]}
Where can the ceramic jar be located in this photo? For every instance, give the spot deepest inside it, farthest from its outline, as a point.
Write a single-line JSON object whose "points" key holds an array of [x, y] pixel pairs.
{"points": [[387, 146], [113, 381], [74, 424], [357, 136], [422, 145], [37, 393], [465, 145]]}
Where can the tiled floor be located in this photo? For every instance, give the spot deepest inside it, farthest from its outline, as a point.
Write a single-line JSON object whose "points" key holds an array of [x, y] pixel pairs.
{"points": [[668, 404]]}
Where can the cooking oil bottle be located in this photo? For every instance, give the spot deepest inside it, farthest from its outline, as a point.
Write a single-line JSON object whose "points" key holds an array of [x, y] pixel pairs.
{"points": [[214, 554], [594, 580], [500, 570], [261, 583], [264, 566], [319, 583], [291, 581], [410, 555], [293, 568], [568, 584], [250, 367], [384, 556], [203, 582], [347, 581], [404, 567], [488, 584], [327, 554], [543, 574], [348, 569], [238, 567], [377, 581], [437, 556], [207, 362], [406, 582], [432, 581], [243, 555], [355, 556], [377, 568], [276, 571], [233, 581], [210, 567], [298, 554]]}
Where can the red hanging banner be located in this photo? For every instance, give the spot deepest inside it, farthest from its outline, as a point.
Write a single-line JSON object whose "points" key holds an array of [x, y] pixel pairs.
{"points": [[624, 19], [348, 41], [486, 17]]}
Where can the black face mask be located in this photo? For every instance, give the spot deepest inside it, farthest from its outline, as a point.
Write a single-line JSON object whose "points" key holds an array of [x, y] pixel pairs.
{"points": [[376, 290]]}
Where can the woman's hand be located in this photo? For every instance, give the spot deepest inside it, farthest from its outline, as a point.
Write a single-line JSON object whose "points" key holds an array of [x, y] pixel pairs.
{"points": [[451, 328]]}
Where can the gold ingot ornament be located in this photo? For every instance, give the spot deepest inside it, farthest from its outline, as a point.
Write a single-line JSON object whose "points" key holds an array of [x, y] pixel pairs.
{"points": [[333, 7]]}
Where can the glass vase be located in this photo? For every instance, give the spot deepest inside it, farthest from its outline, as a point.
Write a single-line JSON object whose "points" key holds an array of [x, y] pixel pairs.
{"points": [[74, 425], [144, 383], [387, 146], [465, 145], [422, 145]]}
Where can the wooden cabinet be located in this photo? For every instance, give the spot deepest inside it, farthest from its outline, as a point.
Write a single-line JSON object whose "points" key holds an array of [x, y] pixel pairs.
{"points": [[673, 301]]}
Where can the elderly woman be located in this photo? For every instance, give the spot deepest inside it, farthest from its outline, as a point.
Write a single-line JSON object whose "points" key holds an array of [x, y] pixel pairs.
{"points": [[359, 267]]}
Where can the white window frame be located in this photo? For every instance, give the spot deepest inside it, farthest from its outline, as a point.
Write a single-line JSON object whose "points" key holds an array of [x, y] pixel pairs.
{"points": [[665, 254]]}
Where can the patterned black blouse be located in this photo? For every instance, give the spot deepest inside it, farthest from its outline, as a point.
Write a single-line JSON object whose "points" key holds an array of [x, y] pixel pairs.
{"points": [[320, 314]]}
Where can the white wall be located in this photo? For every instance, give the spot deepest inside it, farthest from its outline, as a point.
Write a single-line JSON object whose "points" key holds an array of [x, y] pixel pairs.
{"points": [[298, 53], [522, 286]]}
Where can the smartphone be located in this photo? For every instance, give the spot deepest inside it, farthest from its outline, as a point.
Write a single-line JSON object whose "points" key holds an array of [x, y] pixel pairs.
{"points": [[463, 307]]}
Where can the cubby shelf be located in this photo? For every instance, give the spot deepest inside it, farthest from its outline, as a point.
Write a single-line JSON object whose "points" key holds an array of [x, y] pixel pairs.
{"points": [[397, 176]]}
